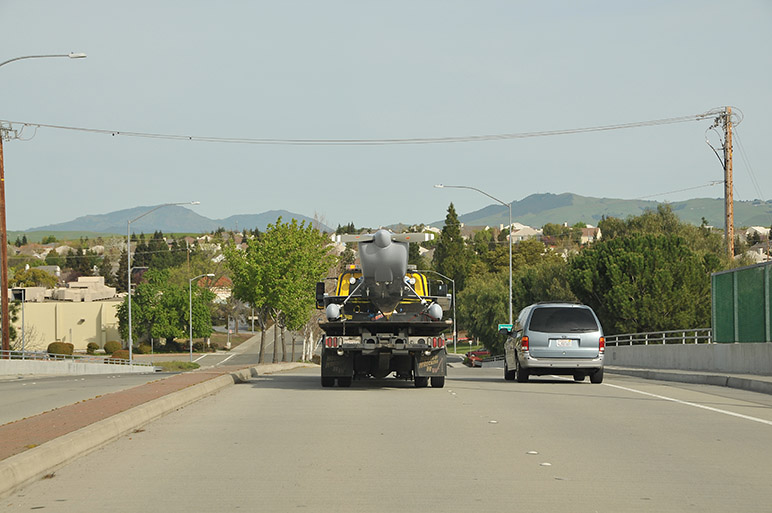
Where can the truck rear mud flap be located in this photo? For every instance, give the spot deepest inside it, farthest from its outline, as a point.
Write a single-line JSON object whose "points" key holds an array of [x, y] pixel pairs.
{"points": [[335, 366], [436, 364]]}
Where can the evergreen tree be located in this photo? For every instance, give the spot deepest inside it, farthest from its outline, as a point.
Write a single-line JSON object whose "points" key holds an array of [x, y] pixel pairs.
{"points": [[121, 275], [451, 257]]}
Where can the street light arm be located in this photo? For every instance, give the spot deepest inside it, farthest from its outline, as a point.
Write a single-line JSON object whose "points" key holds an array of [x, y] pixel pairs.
{"points": [[162, 206], [441, 186], [70, 55]]}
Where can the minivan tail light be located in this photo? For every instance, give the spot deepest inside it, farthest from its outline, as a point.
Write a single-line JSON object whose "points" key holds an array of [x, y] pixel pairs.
{"points": [[524, 343], [602, 345]]}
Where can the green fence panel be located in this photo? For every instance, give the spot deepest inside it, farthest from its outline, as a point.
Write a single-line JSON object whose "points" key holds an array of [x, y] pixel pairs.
{"points": [[742, 310], [723, 307]]}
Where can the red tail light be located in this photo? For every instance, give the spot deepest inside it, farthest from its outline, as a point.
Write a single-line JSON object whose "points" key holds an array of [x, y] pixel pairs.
{"points": [[434, 341], [442, 342], [602, 345], [524, 343]]}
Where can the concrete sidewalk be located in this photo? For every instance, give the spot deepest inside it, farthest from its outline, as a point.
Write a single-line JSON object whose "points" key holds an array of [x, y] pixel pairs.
{"points": [[35, 446], [750, 382]]}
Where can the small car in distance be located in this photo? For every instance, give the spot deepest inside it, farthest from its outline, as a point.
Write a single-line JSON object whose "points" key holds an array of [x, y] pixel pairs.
{"points": [[555, 338]]}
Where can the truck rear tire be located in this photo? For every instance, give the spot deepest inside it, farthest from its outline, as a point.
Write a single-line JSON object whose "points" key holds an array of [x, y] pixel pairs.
{"points": [[328, 381], [438, 381], [597, 376], [344, 382], [421, 381]]}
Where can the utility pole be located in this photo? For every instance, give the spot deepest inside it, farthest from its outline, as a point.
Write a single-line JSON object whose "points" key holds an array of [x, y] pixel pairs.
{"points": [[728, 187], [6, 339]]}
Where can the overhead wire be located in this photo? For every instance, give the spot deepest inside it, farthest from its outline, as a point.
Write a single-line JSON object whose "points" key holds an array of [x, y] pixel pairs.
{"points": [[371, 142]]}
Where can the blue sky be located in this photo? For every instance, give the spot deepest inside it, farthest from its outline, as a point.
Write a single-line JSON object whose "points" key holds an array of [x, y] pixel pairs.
{"points": [[370, 70]]}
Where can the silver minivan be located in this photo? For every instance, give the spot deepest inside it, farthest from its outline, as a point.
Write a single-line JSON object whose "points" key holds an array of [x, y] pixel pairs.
{"points": [[554, 338]]}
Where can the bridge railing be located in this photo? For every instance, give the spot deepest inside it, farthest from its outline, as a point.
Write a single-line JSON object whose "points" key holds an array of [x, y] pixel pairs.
{"points": [[691, 336], [44, 356]]}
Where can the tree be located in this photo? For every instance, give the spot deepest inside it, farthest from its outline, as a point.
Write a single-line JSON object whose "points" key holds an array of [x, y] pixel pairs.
{"points": [[122, 275], [451, 256], [160, 309], [482, 306], [33, 278], [644, 283], [277, 272]]}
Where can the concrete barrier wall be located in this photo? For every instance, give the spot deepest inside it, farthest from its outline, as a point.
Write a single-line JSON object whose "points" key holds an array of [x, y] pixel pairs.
{"points": [[745, 358], [66, 367]]}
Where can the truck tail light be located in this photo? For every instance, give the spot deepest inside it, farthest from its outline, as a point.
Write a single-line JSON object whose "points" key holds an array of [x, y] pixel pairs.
{"points": [[442, 342], [602, 345], [524, 343], [434, 342], [331, 342]]}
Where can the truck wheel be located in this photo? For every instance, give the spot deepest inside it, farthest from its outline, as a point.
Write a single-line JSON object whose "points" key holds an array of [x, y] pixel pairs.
{"points": [[509, 375], [578, 376], [421, 381], [438, 381], [521, 374], [597, 376], [328, 381], [344, 382]]}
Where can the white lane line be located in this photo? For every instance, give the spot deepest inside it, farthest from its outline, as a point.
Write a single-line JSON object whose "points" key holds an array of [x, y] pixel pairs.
{"points": [[200, 357], [696, 405], [231, 356]]}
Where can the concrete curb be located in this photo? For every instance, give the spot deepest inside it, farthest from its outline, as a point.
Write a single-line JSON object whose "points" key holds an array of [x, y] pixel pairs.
{"points": [[23, 468], [750, 384]]}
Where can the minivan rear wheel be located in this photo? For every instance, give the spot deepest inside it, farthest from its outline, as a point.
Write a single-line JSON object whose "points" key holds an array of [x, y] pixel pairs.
{"points": [[597, 376], [521, 374], [509, 375]]}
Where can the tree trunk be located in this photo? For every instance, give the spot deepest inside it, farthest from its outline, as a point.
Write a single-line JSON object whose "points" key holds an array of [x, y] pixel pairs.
{"points": [[293, 347], [262, 345], [275, 342], [283, 344]]}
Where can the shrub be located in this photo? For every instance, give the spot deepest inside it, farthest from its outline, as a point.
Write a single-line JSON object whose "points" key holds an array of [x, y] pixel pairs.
{"points": [[214, 346], [120, 354], [112, 346], [143, 349], [60, 348], [91, 347], [198, 346]]}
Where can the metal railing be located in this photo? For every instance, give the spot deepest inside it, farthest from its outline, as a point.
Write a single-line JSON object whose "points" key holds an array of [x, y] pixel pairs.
{"points": [[692, 336], [44, 356]]}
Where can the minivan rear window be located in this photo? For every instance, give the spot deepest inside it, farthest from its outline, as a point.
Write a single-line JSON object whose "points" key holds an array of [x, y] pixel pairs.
{"points": [[558, 319]]}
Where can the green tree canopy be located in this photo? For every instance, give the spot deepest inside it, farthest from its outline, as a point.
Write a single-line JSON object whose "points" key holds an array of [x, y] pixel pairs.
{"points": [[482, 306], [451, 256], [644, 283], [33, 277], [160, 309]]}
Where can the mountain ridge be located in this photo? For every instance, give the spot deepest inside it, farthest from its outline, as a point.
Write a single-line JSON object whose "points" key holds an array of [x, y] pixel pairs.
{"points": [[171, 219], [537, 210]]}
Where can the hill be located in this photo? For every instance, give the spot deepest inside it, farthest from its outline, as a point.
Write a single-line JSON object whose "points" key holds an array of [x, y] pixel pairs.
{"points": [[539, 209], [171, 219]]}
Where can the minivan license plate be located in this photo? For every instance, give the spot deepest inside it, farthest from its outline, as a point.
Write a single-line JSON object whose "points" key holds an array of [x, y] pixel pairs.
{"points": [[564, 342]]}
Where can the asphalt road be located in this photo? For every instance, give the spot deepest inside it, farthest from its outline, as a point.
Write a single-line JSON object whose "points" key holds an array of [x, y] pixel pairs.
{"points": [[30, 395], [282, 443]]}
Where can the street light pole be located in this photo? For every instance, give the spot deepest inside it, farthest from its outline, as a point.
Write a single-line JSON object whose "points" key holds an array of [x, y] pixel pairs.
{"points": [[190, 306], [455, 333], [6, 322], [509, 206], [128, 263]]}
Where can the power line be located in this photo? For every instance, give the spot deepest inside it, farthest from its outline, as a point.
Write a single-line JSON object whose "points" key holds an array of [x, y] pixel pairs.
{"points": [[365, 142]]}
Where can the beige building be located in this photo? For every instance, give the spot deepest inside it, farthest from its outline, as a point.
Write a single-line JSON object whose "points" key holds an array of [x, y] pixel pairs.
{"points": [[75, 322]]}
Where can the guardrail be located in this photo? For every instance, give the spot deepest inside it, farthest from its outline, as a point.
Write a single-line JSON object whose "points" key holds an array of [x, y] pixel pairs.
{"points": [[692, 336], [43, 356]]}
